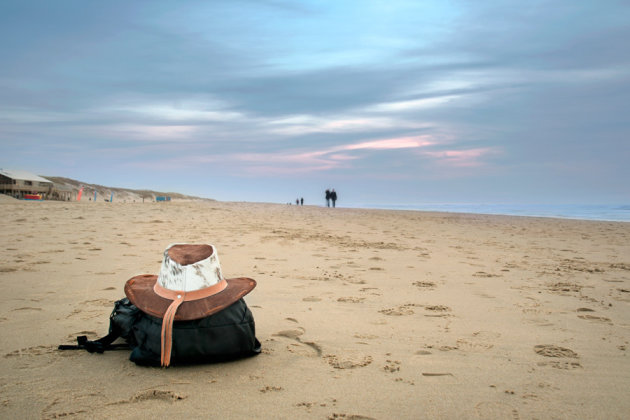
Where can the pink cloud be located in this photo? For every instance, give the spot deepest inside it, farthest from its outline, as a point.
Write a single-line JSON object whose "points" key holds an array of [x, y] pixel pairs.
{"points": [[395, 143], [305, 124], [341, 156], [469, 157], [331, 157], [287, 162]]}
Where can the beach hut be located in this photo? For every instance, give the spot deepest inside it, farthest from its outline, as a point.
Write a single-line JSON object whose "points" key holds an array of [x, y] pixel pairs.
{"points": [[23, 184], [62, 192]]}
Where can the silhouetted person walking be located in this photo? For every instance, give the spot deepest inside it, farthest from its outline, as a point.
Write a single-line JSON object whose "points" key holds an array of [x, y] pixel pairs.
{"points": [[301, 201], [333, 196], [327, 198]]}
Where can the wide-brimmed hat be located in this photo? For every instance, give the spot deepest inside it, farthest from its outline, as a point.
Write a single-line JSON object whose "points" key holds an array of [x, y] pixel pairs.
{"points": [[190, 286]]}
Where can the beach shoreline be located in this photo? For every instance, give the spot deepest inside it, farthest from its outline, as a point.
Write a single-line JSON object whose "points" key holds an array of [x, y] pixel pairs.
{"points": [[369, 313]]}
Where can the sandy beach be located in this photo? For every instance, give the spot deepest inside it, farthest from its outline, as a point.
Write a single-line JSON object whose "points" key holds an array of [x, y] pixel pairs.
{"points": [[363, 314]]}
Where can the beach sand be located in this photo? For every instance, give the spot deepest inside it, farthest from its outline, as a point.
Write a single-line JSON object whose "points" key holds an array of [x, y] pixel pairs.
{"points": [[362, 313]]}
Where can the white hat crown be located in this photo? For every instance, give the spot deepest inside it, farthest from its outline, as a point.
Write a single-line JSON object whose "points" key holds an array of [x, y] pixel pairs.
{"points": [[187, 277]]}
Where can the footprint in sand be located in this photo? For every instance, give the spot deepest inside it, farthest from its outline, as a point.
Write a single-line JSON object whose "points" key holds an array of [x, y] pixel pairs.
{"points": [[392, 366], [348, 360], [310, 404], [351, 299], [472, 346], [304, 348], [98, 302], [539, 321], [355, 281], [480, 341], [424, 284], [601, 319], [86, 314], [151, 395], [620, 266], [564, 287], [269, 388], [483, 274], [27, 308], [343, 416], [562, 364], [401, 310], [366, 336], [550, 350], [437, 310], [33, 357], [31, 351], [292, 334], [374, 291]]}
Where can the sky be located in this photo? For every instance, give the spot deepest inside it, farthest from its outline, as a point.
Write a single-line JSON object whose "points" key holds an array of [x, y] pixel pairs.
{"points": [[389, 102]]}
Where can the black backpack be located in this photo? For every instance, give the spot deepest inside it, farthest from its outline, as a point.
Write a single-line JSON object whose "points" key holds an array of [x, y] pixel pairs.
{"points": [[226, 335]]}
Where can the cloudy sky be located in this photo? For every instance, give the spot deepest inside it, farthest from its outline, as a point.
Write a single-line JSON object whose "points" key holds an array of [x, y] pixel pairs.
{"points": [[388, 102]]}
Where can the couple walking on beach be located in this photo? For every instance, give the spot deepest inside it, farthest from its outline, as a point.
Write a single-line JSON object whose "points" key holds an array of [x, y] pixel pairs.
{"points": [[331, 195]]}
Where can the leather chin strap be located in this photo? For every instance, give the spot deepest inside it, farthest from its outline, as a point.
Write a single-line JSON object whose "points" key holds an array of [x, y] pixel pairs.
{"points": [[179, 297]]}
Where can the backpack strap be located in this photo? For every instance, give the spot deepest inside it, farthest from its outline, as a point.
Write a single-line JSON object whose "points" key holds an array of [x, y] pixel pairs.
{"points": [[120, 321], [96, 346]]}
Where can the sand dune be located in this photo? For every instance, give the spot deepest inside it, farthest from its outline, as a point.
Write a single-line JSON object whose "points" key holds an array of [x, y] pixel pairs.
{"points": [[363, 314], [104, 193]]}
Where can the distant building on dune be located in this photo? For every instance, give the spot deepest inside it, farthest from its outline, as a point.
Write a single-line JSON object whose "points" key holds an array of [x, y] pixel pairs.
{"points": [[62, 193], [27, 185]]}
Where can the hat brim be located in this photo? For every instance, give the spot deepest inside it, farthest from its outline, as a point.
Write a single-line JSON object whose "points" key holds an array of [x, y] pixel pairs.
{"points": [[139, 290]]}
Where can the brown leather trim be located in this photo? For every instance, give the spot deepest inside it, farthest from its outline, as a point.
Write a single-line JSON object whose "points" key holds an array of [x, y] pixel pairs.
{"points": [[192, 295], [140, 291], [166, 341]]}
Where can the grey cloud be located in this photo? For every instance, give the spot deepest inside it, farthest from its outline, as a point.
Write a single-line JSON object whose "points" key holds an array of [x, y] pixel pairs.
{"points": [[546, 82]]}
